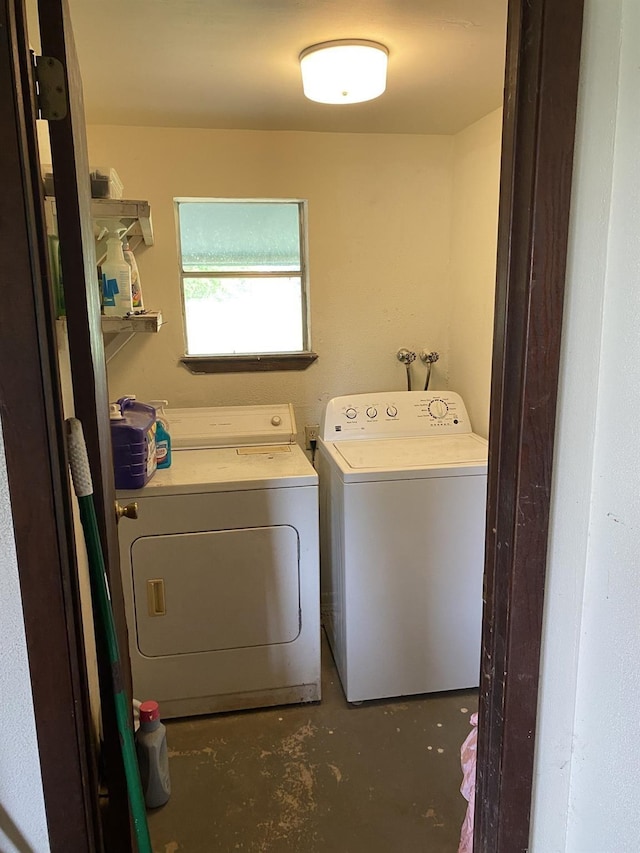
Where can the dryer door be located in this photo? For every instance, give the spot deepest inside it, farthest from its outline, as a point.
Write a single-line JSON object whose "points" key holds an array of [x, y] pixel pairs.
{"points": [[223, 589]]}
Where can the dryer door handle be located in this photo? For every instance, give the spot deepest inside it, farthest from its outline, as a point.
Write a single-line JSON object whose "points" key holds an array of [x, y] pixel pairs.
{"points": [[155, 597]]}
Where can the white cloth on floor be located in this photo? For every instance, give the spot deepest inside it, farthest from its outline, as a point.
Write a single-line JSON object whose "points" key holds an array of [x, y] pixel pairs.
{"points": [[468, 752]]}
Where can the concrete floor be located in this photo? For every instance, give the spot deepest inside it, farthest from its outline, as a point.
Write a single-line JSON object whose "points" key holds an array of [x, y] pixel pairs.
{"points": [[383, 777]]}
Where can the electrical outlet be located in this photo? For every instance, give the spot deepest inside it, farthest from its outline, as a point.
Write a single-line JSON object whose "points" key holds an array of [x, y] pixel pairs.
{"points": [[310, 434]]}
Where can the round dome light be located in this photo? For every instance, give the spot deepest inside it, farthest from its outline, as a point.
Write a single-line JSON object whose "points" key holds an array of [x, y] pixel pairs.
{"points": [[348, 71]]}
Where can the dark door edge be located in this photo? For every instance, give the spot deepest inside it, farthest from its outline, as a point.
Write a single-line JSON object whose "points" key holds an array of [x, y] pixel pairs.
{"points": [[32, 422], [543, 57]]}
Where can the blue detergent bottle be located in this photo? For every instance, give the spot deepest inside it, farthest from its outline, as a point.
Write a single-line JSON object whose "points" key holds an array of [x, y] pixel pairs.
{"points": [[163, 438]]}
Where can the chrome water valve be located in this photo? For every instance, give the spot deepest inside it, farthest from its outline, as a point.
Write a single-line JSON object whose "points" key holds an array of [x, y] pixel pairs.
{"points": [[406, 356]]}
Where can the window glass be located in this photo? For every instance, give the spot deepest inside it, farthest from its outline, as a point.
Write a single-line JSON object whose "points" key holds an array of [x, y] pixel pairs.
{"points": [[229, 236], [243, 276], [243, 315]]}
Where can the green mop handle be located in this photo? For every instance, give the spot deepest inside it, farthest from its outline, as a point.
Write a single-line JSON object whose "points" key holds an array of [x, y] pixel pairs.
{"points": [[83, 486]]}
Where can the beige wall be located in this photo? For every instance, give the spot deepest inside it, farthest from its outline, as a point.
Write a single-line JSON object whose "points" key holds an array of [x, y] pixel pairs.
{"points": [[379, 219], [474, 222]]}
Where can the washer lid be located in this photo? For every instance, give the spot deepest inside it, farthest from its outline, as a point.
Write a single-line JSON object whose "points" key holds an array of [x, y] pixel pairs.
{"points": [[398, 454], [231, 426]]}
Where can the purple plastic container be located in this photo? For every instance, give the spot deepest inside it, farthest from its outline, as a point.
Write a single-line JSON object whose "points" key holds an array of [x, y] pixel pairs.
{"points": [[133, 442]]}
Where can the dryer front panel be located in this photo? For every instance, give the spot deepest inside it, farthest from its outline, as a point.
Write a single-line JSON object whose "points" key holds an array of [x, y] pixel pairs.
{"points": [[216, 590], [233, 579]]}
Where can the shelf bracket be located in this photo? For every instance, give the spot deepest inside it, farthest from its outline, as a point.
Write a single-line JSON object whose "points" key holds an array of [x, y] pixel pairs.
{"points": [[115, 344]]}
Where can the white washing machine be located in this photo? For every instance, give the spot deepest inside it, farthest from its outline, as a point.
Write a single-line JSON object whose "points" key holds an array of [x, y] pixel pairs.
{"points": [[402, 523], [220, 569]]}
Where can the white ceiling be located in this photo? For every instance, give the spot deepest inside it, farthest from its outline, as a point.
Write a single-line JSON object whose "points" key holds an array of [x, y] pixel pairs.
{"points": [[234, 63]]}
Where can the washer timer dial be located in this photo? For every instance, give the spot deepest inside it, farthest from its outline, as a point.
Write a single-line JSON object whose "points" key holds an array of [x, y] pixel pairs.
{"points": [[438, 409]]}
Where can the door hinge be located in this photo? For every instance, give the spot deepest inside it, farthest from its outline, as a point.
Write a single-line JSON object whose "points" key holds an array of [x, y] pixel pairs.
{"points": [[51, 95]]}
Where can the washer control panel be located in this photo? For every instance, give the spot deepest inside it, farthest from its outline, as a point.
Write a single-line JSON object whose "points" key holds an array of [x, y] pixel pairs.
{"points": [[394, 414]]}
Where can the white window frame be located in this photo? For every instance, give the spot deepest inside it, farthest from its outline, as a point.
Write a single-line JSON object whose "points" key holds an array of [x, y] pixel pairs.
{"points": [[233, 362]]}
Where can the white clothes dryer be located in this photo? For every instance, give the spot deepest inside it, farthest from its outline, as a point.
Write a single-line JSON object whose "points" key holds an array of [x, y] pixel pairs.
{"points": [[402, 524], [220, 569]]}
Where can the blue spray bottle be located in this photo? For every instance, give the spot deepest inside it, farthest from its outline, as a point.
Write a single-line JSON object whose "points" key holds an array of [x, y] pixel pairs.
{"points": [[163, 439]]}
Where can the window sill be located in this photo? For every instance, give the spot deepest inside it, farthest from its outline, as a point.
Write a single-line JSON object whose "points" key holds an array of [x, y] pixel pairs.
{"points": [[200, 364]]}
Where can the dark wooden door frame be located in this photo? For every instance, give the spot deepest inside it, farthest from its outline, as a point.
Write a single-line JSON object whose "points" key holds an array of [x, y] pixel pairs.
{"points": [[89, 379], [540, 100], [543, 57], [32, 424], [70, 777]]}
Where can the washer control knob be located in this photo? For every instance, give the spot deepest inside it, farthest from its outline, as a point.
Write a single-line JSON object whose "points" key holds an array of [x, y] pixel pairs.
{"points": [[276, 420], [372, 412], [438, 409], [392, 411], [351, 413]]}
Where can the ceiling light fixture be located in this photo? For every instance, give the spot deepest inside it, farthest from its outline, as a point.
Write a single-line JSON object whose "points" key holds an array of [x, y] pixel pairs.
{"points": [[347, 71]]}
